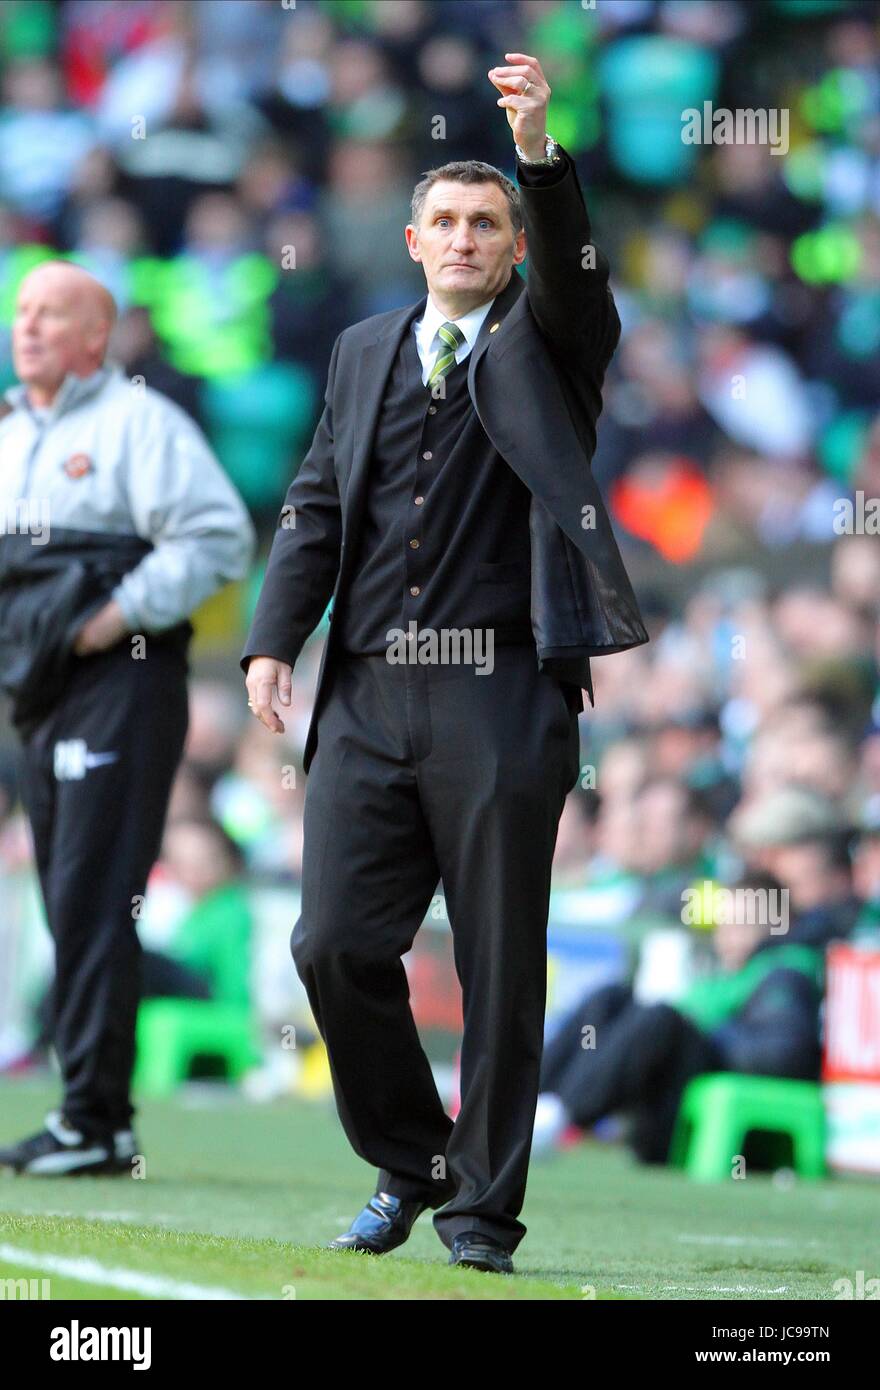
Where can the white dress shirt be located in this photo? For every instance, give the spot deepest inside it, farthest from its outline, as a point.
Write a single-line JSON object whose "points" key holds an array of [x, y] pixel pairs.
{"points": [[429, 341]]}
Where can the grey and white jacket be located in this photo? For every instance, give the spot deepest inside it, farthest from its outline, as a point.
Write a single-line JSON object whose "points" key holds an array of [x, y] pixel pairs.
{"points": [[113, 491]]}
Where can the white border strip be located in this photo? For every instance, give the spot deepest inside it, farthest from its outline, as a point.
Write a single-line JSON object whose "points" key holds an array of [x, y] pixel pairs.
{"points": [[89, 1271]]}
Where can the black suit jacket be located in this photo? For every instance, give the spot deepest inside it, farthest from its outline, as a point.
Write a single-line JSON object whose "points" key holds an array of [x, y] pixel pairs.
{"points": [[535, 378]]}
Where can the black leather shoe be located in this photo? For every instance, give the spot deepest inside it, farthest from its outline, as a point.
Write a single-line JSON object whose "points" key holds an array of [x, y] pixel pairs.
{"points": [[384, 1223], [473, 1250]]}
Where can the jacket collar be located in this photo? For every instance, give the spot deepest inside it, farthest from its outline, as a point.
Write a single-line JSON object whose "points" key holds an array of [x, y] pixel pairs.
{"points": [[375, 360], [71, 392], [398, 321], [469, 323]]}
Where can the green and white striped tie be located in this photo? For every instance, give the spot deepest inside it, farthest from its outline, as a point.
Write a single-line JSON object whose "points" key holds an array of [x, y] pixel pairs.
{"points": [[451, 337]]}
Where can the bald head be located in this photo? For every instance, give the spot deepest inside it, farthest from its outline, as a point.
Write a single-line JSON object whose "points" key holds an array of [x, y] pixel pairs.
{"points": [[63, 320]]}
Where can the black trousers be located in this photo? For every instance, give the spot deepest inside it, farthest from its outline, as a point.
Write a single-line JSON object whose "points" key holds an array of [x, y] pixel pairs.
{"points": [[644, 1056], [96, 776], [422, 774], [162, 977]]}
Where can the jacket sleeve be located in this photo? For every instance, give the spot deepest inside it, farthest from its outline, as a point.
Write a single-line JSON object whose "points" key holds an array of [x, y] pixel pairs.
{"points": [[180, 499], [304, 559], [777, 1032], [566, 273]]}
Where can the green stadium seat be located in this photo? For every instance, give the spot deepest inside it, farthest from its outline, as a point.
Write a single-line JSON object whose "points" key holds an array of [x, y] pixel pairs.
{"points": [[171, 1033], [720, 1109]]}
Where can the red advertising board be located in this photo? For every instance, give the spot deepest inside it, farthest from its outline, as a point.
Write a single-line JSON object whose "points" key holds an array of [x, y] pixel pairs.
{"points": [[852, 1015]]}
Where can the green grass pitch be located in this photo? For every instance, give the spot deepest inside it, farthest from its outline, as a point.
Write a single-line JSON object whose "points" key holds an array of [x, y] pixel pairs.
{"points": [[238, 1199]]}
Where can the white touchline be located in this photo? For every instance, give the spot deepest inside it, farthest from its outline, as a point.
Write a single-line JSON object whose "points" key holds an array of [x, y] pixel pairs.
{"points": [[89, 1271], [125, 1218], [705, 1288]]}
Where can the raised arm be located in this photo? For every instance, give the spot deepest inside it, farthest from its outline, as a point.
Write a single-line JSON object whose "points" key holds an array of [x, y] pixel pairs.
{"points": [[567, 274]]}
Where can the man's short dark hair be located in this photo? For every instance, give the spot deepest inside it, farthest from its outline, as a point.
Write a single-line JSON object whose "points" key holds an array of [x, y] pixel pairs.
{"points": [[231, 850], [468, 171], [696, 804]]}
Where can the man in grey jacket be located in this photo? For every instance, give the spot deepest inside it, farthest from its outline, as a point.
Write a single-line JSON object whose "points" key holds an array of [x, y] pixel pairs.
{"points": [[118, 522]]}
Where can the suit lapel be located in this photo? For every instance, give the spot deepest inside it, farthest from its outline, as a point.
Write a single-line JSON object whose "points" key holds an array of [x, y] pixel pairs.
{"points": [[498, 312], [374, 365]]}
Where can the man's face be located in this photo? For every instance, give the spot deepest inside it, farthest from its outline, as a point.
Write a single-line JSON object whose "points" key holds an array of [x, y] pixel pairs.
{"points": [[465, 243], [866, 867], [56, 329], [736, 940], [663, 828]]}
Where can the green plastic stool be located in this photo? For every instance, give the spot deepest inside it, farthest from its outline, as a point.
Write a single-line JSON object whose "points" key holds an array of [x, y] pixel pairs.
{"points": [[719, 1109], [171, 1032]]}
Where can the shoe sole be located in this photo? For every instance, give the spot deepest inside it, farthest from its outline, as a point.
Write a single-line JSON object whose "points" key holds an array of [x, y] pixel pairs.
{"points": [[485, 1269], [477, 1263], [363, 1249], [105, 1168]]}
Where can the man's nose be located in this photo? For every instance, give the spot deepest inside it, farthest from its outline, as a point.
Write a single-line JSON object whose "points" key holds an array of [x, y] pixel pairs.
{"points": [[464, 237]]}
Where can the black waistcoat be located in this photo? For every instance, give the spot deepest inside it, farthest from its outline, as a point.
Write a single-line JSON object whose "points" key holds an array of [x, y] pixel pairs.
{"points": [[445, 536]]}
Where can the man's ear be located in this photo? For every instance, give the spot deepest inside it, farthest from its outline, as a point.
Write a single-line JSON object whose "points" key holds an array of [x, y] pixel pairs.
{"points": [[520, 249], [412, 242]]}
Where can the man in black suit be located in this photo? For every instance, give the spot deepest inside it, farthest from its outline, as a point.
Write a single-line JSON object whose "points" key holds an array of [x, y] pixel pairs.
{"points": [[447, 495]]}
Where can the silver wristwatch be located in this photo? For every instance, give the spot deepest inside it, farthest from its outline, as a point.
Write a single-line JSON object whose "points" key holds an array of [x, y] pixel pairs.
{"points": [[551, 153]]}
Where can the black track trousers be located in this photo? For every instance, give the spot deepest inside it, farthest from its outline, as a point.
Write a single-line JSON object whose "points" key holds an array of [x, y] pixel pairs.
{"points": [[96, 775]]}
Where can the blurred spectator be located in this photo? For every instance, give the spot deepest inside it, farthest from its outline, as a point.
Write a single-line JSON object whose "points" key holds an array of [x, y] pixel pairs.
{"points": [[312, 302], [40, 142], [866, 874], [757, 1013], [673, 842], [135, 347], [213, 940], [575, 842], [801, 836]]}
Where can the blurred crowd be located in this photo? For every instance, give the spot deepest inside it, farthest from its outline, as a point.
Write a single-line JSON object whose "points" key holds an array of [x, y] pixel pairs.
{"points": [[239, 173]]}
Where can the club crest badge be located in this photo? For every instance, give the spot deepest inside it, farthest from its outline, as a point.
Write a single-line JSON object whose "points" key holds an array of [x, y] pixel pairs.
{"points": [[78, 465]]}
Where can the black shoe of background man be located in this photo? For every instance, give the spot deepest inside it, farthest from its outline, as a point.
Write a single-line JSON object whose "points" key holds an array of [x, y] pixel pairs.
{"points": [[473, 1250], [62, 1151], [384, 1223]]}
